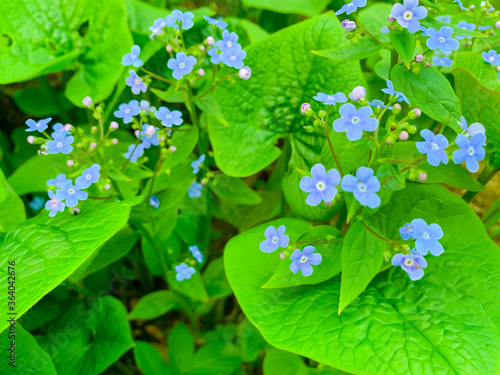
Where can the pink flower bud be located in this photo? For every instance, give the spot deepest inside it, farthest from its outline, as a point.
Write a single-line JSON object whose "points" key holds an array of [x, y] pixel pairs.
{"points": [[422, 176], [417, 112], [93, 145], [115, 141], [419, 58], [107, 187], [201, 72], [472, 7], [202, 48], [70, 163], [87, 101], [403, 135], [169, 48], [114, 125], [150, 130], [137, 133], [210, 40], [391, 19], [497, 24], [31, 139], [305, 108], [358, 93], [282, 255], [162, 138], [245, 73], [173, 148], [68, 127]]}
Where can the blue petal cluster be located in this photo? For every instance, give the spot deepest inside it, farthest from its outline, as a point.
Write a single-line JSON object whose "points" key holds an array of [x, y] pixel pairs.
{"points": [[355, 121], [321, 186], [408, 14], [184, 272], [364, 187], [274, 238], [304, 260], [197, 254], [433, 146]]}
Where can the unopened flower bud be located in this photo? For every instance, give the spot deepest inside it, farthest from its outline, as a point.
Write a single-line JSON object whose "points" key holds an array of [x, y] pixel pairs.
{"points": [[469, 43], [403, 135], [412, 129], [348, 25], [210, 40], [422, 176], [396, 109], [93, 145], [87, 101], [202, 48], [308, 128], [427, 64], [387, 256], [162, 138], [31, 139], [107, 187], [169, 48], [115, 141], [391, 19], [497, 24], [419, 58], [204, 181], [94, 129], [322, 113], [201, 72], [70, 163], [137, 133], [68, 127], [150, 130], [245, 73], [173, 148], [358, 93], [305, 108], [328, 204], [282, 255], [414, 113], [74, 211], [114, 125], [472, 7]]}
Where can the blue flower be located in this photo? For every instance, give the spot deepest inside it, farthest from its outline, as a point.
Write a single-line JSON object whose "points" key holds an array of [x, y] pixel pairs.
{"points": [[37, 126], [441, 39], [351, 7], [135, 82], [471, 130], [171, 21], [412, 264], [233, 57], [274, 238], [390, 91], [406, 231], [212, 21], [321, 186], [89, 176], [37, 203], [353, 121], [146, 107], [384, 30], [379, 104], [186, 19], [132, 58], [471, 151], [466, 26], [304, 260], [184, 272], [197, 163], [433, 146], [154, 202], [445, 19], [491, 57], [61, 143], [167, 117], [482, 28], [71, 194], [128, 111], [214, 54], [364, 187], [197, 254], [181, 65], [134, 152], [408, 14], [149, 136], [157, 28], [229, 40], [460, 4], [442, 61], [59, 129], [194, 191], [330, 99], [58, 181], [427, 237], [54, 204]]}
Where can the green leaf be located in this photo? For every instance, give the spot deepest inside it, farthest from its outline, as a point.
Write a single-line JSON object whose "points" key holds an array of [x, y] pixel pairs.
{"points": [[45, 265], [434, 316], [28, 358], [181, 347], [329, 267], [210, 360], [12, 210], [305, 7], [364, 48], [482, 105], [154, 305], [351, 155], [404, 43], [185, 141], [371, 19], [284, 363], [141, 15], [215, 279], [234, 190], [193, 287], [149, 359], [434, 23], [482, 71], [267, 106], [39, 102], [362, 256], [430, 91], [171, 95]]}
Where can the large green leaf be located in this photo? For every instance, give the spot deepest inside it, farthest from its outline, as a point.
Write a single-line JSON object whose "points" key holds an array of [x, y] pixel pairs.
{"points": [[154, 305], [305, 7], [47, 250], [404, 43], [234, 190], [11, 206], [149, 359], [28, 358], [430, 91], [450, 317], [267, 107], [474, 63], [364, 48], [480, 104]]}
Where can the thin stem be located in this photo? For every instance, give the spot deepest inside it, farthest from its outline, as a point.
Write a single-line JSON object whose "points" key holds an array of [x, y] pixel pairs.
{"points": [[157, 76], [366, 31], [331, 149]]}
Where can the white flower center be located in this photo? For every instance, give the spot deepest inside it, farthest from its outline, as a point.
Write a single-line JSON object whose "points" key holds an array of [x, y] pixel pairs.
{"points": [[168, 116], [303, 259], [408, 262], [229, 44], [133, 56], [492, 58], [71, 191], [434, 146], [127, 110], [330, 98], [59, 144], [54, 202], [408, 228], [275, 239], [87, 176], [182, 65], [355, 120], [408, 15], [471, 150], [321, 186], [233, 58], [137, 81], [441, 39], [361, 187], [426, 235]]}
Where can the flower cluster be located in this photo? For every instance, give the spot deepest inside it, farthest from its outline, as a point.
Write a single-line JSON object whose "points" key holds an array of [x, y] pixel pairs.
{"points": [[60, 141], [67, 194], [185, 272], [426, 239]]}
